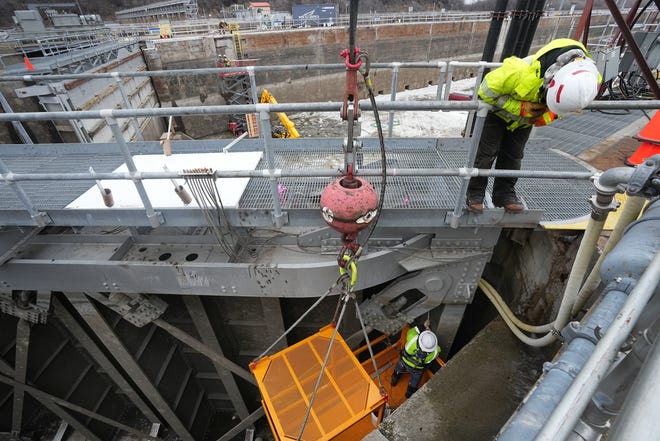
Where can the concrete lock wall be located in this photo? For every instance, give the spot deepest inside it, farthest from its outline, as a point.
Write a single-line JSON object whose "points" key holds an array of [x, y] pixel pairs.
{"points": [[458, 40]]}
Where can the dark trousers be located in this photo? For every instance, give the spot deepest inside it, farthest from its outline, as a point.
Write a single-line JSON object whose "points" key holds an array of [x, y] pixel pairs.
{"points": [[504, 148], [415, 374]]}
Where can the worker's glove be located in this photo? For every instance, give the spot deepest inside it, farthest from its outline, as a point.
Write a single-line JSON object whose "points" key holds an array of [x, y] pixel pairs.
{"points": [[427, 324], [544, 119], [532, 110]]}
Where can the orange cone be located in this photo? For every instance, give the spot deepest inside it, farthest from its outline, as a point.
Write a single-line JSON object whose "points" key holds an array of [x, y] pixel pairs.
{"points": [[28, 64], [650, 138], [645, 150]]}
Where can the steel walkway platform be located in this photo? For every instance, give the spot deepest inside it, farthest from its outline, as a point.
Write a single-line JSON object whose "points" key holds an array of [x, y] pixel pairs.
{"points": [[421, 200]]}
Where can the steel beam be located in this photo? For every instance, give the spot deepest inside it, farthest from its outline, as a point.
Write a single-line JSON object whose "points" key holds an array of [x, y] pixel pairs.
{"points": [[213, 279], [61, 430], [20, 371], [53, 407], [100, 358], [16, 242], [450, 319], [243, 425], [51, 401], [205, 330], [5, 368], [100, 327], [206, 350], [634, 48]]}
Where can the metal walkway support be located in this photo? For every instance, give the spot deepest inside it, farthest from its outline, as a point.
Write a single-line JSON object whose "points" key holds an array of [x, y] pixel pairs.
{"points": [[102, 360]]}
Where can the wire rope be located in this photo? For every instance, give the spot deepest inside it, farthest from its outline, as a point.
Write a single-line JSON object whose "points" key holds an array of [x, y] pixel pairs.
{"points": [[371, 352], [381, 139], [325, 364], [205, 191], [341, 278]]}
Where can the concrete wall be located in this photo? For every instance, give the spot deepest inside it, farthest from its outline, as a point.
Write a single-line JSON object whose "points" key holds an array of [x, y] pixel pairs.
{"points": [[189, 90], [459, 40]]}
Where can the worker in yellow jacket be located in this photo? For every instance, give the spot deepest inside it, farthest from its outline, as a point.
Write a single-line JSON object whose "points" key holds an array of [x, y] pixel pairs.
{"points": [[421, 349], [559, 79]]}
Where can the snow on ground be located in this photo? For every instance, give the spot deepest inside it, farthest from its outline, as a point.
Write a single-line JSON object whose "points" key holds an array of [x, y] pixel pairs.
{"points": [[409, 124], [425, 124]]}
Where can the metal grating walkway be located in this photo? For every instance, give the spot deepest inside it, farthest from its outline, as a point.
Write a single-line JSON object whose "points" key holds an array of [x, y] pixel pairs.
{"points": [[551, 148], [403, 193], [565, 200], [576, 134]]}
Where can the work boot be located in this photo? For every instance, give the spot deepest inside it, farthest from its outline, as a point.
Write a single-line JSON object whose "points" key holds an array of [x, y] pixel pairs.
{"points": [[511, 204], [410, 391], [395, 378], [513, 207], [475, 206]]}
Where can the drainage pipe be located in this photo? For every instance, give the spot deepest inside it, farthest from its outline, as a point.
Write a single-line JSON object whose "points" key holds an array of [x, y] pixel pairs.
{"points": [[601, 204], [607, 185]]}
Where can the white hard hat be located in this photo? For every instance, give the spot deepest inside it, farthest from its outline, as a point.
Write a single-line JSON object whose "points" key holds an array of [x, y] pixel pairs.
{"points": [[573, 87], [427, 341]]}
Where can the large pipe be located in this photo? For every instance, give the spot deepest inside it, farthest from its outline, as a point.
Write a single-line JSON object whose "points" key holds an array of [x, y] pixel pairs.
{"points": [[499, 14], [524, 44], [639, 419], [612, 391], [630, 211], [577, 397], [515, 30]]}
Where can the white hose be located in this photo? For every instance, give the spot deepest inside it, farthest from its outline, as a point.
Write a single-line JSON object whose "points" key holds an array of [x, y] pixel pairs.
{"points": [[582, 259], [630, 211], [507, 315], [506, 312]]}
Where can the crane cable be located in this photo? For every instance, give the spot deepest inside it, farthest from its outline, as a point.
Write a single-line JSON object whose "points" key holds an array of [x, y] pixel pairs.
{"points": [[354, 57], [339, 280], [347, 280], [364, 70], [347, 294]]}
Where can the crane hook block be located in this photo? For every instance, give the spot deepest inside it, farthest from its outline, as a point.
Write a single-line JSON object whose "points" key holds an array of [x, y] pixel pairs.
{"points": [[348, 205]]}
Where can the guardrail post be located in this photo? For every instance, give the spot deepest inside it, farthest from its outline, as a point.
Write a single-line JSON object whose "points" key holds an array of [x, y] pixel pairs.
{"points": [[469, 163], [155, 218], [395, 79], [263, 110], [442, 79], [127, 103], [39, 217]]}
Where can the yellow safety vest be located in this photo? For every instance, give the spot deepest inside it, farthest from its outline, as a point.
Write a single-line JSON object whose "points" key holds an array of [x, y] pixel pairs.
{"points": [[519, 79], [412, 355]]}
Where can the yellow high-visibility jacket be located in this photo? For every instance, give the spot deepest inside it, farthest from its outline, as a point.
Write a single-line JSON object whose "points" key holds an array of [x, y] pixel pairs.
{"points": [[412, 354], [517, 80]]}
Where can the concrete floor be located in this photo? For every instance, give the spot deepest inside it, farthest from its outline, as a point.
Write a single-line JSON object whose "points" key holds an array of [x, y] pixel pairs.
{"points": [[472, 396]]}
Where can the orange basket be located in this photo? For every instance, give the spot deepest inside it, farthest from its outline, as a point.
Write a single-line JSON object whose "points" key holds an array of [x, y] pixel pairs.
{"points": [[346, 394]]}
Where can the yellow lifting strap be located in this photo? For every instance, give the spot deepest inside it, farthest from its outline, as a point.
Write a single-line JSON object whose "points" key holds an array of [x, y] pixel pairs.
{"points": [[352, 266]]}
